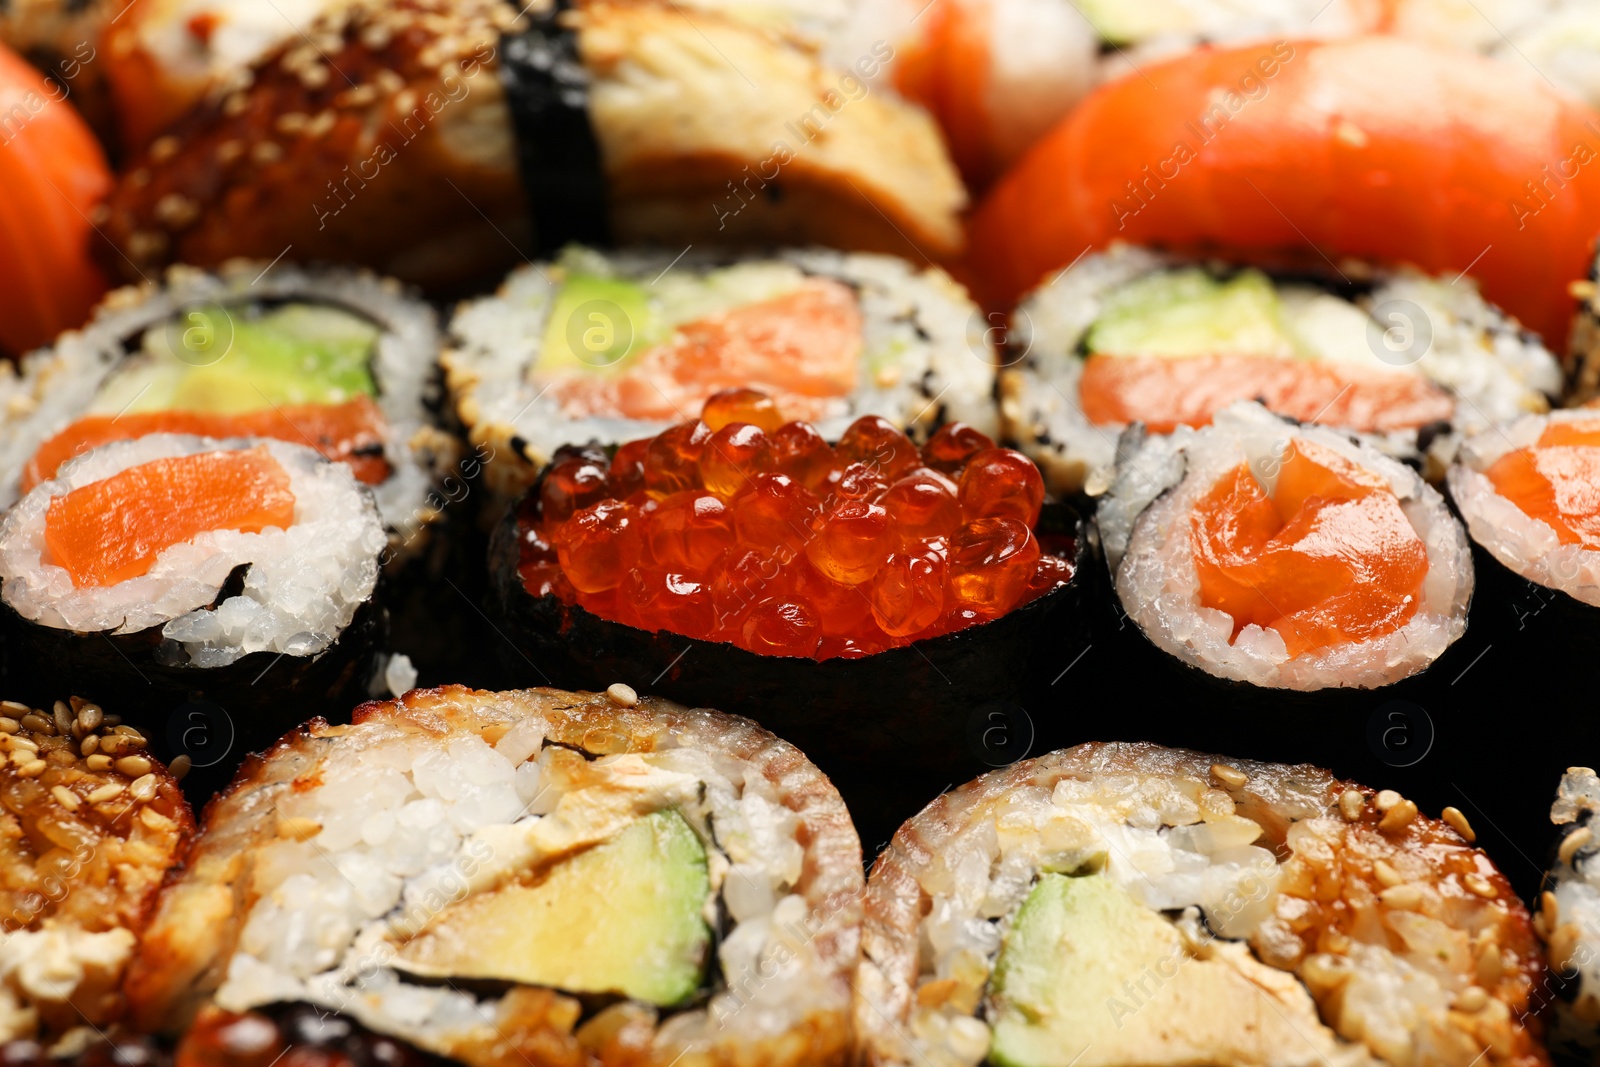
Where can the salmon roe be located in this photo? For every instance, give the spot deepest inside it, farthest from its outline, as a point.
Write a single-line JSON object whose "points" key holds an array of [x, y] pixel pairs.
{"points": [[760, 534]]}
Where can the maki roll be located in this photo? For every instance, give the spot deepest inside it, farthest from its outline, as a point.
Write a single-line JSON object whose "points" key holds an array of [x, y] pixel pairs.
{"points": [[603, 349], [1130, 336], [1120, 904], [1529, 493], [168, 567], [338, 360], [492, 130], [92, 825], [537, 877], [1569, 918], [1284, 557]]}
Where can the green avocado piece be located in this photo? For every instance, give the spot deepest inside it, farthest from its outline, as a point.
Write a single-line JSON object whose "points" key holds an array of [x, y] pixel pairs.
{"points": [[1088, 975], [1187, 312], [594, 325], [225, 361], [624, 917]]}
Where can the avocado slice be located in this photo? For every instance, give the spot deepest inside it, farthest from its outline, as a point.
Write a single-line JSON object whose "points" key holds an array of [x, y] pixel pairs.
{"points": [[594, 325], [625, 917], [226, 361], [1188, 312], [1088, 975]]}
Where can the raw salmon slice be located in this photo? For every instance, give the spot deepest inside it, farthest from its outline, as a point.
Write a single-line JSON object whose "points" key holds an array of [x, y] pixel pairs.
{"points": [[113, 530], [1167, 393], [350, 433], [1328, 559], [801, 348], [1557, 481]]}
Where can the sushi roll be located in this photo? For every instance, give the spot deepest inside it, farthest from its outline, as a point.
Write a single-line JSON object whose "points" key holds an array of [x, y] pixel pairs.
{"points": [[1527, 491], [742, 559], [603, 349], [93, 824], [1283, 557], [339, 360], [1131, 336], [1118, 904], [1569, 918], [495, 132], [537, 877], [170, 568]]}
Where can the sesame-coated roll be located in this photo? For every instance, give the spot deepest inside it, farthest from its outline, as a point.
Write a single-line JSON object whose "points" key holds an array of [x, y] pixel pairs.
{"points": [[1114, 905]]}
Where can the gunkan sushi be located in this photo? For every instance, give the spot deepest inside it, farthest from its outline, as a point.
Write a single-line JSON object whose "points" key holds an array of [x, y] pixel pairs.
{"points": [[1130, 336], [1286, 557], [535, 877], [169, 567], [1120, 904], [339, 360], [757, 567], [92, 825], [603, 349]]}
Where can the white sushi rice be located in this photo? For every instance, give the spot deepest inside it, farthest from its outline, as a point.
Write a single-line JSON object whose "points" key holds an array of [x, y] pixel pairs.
{"points": [[1144, 526], [924, 353], [408, 819], [303, 586], [1575, 882], [1473, 350], [1526, 545], [57, 385]]}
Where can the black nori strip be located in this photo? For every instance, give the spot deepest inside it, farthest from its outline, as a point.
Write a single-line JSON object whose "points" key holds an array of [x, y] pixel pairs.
{"points": [[547, 89], [891, 730], [255, 699]]}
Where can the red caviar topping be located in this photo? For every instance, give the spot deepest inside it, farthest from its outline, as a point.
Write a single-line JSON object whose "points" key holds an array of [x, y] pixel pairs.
{"points": [[739, 528]]}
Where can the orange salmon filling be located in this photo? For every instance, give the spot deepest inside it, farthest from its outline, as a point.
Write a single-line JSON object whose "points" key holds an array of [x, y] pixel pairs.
{"points": [[1328, 559], [1167, 393], [1557, 481], [350, 433], [800, 348], [114, 529]]}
